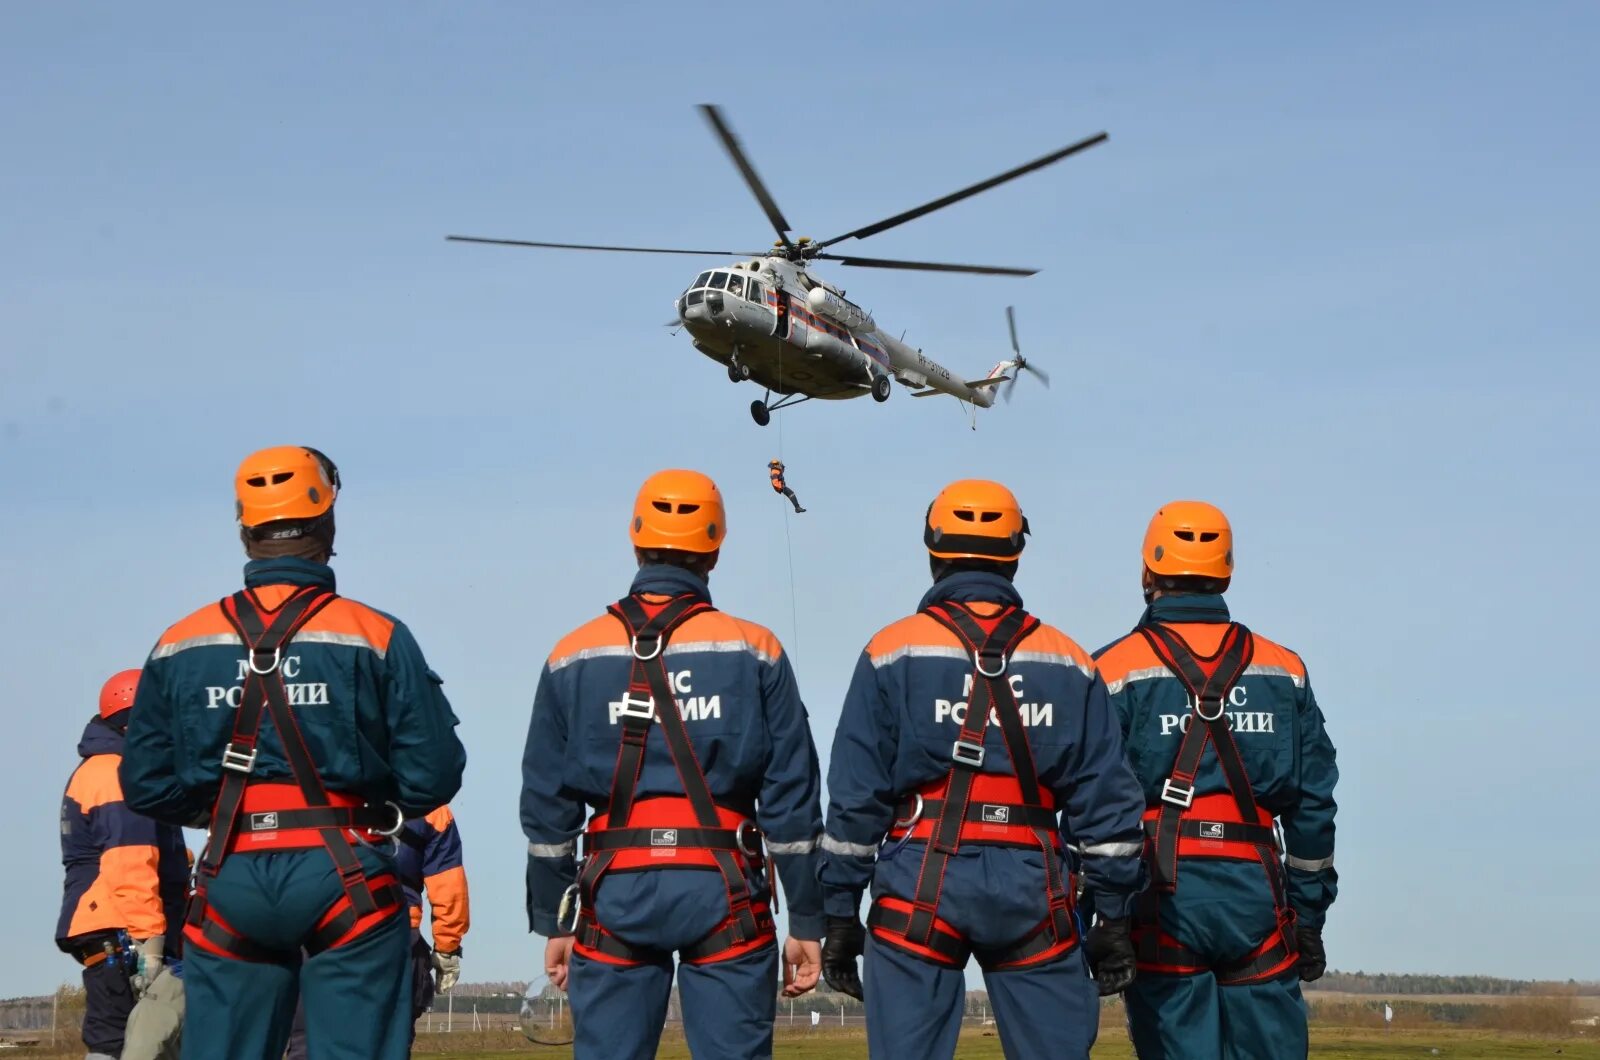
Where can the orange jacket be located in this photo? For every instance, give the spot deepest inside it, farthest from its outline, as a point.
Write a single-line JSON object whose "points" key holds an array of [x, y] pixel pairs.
{"points": [[430, 864]]}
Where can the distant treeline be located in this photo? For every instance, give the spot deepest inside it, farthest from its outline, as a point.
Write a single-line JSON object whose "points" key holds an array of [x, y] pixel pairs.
{"points": [[1484, 985]]}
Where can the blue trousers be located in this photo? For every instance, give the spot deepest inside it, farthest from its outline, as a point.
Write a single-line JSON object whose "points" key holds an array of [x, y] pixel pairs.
{"points": [[914, 1007], [357, 996], [1221, 910], [108, 999], [728, 1007]]}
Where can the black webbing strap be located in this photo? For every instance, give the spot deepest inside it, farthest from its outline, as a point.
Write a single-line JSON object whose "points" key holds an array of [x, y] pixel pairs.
{"points": [[244, 613], [385, 895], [945, 947], [356, 818], [1017, 816], [651, 839], [991, 693], [650, 699], [1208, 680], [1221, 831], [263, 640]]}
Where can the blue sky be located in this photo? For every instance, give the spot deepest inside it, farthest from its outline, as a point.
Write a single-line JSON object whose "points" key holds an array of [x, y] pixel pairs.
{"points": [[1334, 271]]}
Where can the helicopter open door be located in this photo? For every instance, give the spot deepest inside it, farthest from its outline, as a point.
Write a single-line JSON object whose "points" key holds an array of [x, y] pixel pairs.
{"points": [[780, 324]]}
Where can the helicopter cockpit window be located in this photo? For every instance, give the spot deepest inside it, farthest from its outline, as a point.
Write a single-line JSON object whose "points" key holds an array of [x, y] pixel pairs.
{"points": [[718, 281], [700, 280], [736, 286], [693, 297]]}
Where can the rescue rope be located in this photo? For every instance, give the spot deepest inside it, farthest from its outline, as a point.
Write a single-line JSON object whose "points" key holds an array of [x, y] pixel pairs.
{"points": [[788, 543]]}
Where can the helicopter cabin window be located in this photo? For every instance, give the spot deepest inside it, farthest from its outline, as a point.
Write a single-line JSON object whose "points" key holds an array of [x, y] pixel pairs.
{"points": [[757, 293], [700, 281], [736, 285]]}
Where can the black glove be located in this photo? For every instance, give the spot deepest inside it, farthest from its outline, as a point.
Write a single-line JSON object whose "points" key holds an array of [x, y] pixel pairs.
{"points": [[846, 940], [1313, 958], [1109, 948]]}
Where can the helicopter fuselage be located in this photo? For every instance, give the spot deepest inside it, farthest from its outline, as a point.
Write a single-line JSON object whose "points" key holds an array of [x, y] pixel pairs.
{"points": [[773, 323]]}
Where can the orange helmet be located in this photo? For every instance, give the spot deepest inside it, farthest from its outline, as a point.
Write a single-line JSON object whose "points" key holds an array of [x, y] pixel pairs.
{"points": [[284, 482], [116, 695], [1189, 538], [975, 519], [679, 510]]}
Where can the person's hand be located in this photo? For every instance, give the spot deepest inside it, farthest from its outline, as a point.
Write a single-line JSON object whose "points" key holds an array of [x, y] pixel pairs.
{"points": [[1313, 958], [802, 965], [446, 969], [846, 941], [148, 953], [557, 961], [1109, 949]]}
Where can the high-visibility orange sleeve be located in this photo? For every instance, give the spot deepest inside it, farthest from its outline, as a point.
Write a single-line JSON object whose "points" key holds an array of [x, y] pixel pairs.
{"points": [[451, 905]]}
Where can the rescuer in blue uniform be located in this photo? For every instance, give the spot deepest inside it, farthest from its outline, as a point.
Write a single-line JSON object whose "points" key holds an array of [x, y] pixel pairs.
{"points": [[681, 727], [1226, 737], [302, 727], [969, 729]]}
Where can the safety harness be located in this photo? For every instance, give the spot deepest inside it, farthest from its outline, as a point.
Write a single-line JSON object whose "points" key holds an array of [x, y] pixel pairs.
{"points": [[256, 816], [970, 806], [1182, 825], [668, 832]]}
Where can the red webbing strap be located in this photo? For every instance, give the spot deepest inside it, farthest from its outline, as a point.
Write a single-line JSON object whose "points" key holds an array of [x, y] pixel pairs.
{"points": [[1208, 681], [264, 649]]}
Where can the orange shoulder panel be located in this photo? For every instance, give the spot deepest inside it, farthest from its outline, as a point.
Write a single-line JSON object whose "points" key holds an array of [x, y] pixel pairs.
{"points": [[601, 632], [208, 621], [1130, 653], [95, 783], [721, 626], [351, 618], [912, 631], [1271, 653], [1052, 641], [440, 819]]}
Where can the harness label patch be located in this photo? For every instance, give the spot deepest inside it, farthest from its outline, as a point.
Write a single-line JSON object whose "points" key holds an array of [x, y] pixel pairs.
{"points": [[993, 814], [1211, 830], [663, 837], [263, 822]]}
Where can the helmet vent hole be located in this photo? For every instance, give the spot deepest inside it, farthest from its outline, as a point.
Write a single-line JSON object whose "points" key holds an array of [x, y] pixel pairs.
{"points": [[661, 506], [280, 477], [988, 517], [1209, 535], [257, 481], [964, 515], [685, 509], [1183, 535]]}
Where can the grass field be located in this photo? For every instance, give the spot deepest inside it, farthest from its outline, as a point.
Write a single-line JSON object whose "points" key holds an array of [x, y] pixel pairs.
{"points": [[1326, 1044]]}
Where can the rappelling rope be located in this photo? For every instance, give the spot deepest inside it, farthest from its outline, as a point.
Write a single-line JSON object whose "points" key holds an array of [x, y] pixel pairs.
{"points": [[788, 543]]}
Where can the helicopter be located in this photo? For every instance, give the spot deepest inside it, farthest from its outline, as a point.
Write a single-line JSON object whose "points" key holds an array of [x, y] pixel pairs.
{"points": [[768, 319]]}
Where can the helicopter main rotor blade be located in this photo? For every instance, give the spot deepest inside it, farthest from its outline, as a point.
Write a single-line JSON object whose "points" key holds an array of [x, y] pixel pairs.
{"points": [[968, 192], [592, 246], [1011, 321], [1044, 376], [924, 266], [730, 143]]}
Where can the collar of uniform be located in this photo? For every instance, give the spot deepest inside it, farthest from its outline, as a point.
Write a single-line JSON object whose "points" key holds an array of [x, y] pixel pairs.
{"points": [[99, 738], [1187, 607], [972, 587], [287, 570], [669, 581]]}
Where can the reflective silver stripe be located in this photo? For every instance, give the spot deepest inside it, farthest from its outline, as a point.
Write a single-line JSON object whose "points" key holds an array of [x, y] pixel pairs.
{"points": [[211, 640], [920, 651], [1054, 658], [1161, 671], [855, 850], [552, 850], [676, 648], [1308, 864], [624, 651], [1136, 675], [1113, 850], [343, 640], [799, 846]]}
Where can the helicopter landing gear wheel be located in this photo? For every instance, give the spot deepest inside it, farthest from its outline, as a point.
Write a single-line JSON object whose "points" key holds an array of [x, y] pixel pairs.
{"points": [[760, 413], [880, 388], [738, 372]]}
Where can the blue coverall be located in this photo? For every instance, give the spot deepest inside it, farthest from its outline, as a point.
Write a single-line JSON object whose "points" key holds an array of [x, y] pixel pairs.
{"points": [[901, 716], [749, 730], [1223, 908], [378, 728]]}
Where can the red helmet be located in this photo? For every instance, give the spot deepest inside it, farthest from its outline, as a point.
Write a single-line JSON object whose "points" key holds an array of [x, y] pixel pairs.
{"points": [[116, 695]]}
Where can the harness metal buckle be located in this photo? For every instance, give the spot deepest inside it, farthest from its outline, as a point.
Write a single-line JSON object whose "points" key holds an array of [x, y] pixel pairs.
{"points": [[977, 660], [1200, 709], [277, 658], [654, 651], [571, 902], [748, 836], [908, 824], [393, 831], [967, 753], [635, 707], [239, 761], [1177, 794]]}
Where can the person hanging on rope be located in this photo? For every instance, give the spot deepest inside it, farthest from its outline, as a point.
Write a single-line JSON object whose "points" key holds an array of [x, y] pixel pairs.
{"points": [[775, 469]]}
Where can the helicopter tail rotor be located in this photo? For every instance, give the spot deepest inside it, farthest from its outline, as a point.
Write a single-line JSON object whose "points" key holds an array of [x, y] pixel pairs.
{"points": [[1019, 362]]}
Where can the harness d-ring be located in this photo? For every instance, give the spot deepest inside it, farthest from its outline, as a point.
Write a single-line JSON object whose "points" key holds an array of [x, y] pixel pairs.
{"points": [[909, 823], [977, 661], [749, 839], [1199, 709], [652, 655], [399, 822], [277, 657]]}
